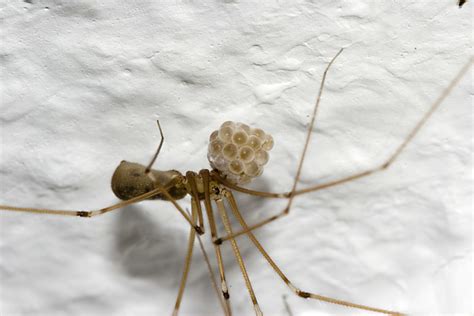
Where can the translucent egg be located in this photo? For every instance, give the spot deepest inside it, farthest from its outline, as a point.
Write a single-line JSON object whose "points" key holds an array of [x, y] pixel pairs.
{"points": [[246, 154], [221, 163], [261, 157], [236, 167], [245, 179], [245, 127], [259, 172], [233, 178], [240, 137], [225, 133], [215, 147], [268, 144], [251, 169], [228, 123], [258, 132], [254, 142], [213, 136], [230, 151]]}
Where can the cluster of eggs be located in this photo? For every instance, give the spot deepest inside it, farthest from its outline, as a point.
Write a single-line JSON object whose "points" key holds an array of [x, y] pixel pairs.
{"points": [[238, 151]]}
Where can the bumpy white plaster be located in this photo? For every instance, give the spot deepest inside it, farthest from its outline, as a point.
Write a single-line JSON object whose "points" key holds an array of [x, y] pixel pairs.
{"points": [[83, 83]]}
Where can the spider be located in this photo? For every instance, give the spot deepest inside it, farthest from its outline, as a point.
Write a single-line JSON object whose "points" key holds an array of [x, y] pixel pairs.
{"points": [[237, 154]]}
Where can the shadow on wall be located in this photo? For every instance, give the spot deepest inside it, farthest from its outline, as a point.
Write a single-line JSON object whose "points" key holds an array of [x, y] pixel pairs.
{"points": [[155, 253], [146, 250]]}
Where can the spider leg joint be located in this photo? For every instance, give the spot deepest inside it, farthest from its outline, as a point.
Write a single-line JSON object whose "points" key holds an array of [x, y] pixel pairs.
{"points": [[84, 214]]}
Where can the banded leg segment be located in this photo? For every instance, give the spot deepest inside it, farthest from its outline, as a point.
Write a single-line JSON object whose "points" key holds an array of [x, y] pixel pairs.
{"points": [[212, 277], [84, 213], [168, 196], [297, 291], [159, 190], [191, 177], [212, 225], [238, 257], [187, 264]]}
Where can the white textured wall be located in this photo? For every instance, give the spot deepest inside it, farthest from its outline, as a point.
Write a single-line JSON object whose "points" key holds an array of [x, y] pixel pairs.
{"points": [[84, 81]]}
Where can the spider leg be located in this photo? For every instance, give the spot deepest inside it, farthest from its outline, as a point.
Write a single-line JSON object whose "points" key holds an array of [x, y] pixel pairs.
{"points": [[388, 162], [304, 294], [83, 213], [212, 277], [158, 190], [187, 261], [148, 168], [212, 225], [187, 264], [238, 257], [191, 177]]}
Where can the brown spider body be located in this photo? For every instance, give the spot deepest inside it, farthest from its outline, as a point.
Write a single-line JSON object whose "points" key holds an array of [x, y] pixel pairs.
{"points": [[131, 180]]}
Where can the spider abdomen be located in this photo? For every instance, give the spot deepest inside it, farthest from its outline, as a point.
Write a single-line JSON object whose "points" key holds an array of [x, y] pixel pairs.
{"points": [[130, 180]]}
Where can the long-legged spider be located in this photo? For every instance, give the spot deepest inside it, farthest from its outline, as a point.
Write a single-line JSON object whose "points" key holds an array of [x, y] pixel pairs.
{"points": [[133, 182]]}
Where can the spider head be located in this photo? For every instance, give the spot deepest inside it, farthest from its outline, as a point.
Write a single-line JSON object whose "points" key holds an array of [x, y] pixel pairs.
{"points": [[130, 180]]}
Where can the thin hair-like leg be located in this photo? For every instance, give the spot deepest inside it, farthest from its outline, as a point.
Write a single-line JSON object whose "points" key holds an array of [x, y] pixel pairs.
{"points": [[388, 162], [150, 175], [191, 177], [187, 261], [84, 213], [304, 294], [148, 168], [159, 190], [238, 257], [212, 225], [212, 277], [310, 129]]}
